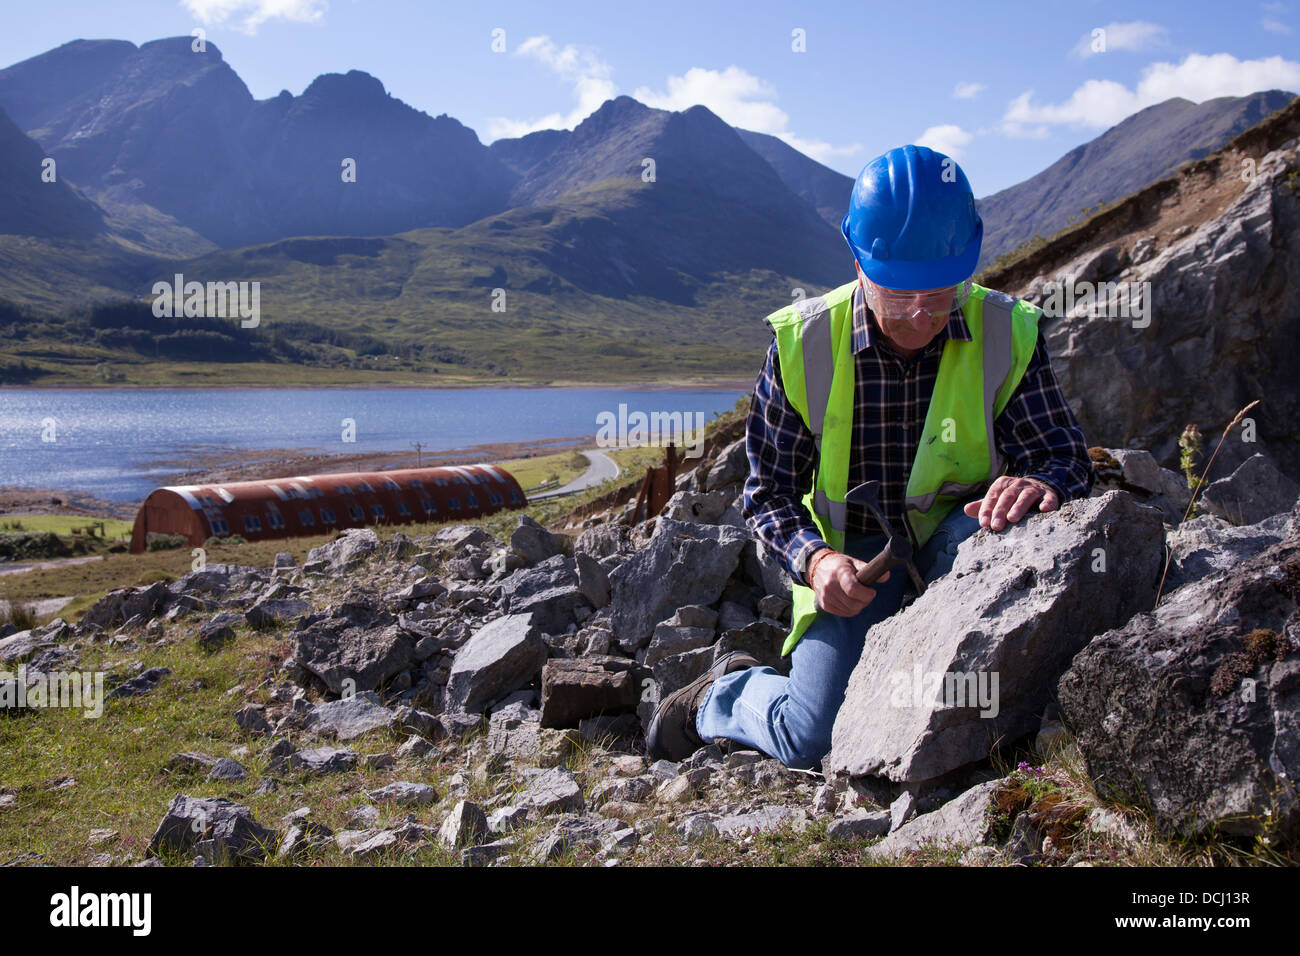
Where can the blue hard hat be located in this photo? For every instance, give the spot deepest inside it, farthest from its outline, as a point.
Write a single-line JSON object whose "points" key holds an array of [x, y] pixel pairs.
{"points": [[912, 222]]}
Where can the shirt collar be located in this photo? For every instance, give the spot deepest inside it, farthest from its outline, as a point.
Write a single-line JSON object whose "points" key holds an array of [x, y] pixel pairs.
{"points": [[864, 333]]}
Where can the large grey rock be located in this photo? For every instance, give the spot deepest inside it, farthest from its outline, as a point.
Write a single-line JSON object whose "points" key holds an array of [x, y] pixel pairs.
{"points": [[403, 793], [682, 564], [675, 672], [502, 656], [1206, 544], [603, 541], [126, 603], [739, 825], [532, 542], [975, 660], [669, 640], [552, 791], [569, 833], [761, 640], [19, 647], [227, 768], [593, 579], [550, 591], [217, 580], [351, 717], [350, 548], [219, 630], [466, 825], [352, 658], [252, 719], [764, 569], [142, 683], [622, 790], [704, 507], [276, 611], [234, 833], [964, 821], [859, 825], [323, 760], [730, 467], [461, 536], [190, 762], [1194, 710], [574, 689], [1136, 470], [1255, 491]]}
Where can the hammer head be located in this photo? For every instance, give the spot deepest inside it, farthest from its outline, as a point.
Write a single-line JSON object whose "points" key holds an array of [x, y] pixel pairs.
{"points": [[867, 494]]}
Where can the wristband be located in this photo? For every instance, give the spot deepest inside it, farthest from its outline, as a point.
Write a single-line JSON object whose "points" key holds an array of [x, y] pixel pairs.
{"points": [[812, 561]]}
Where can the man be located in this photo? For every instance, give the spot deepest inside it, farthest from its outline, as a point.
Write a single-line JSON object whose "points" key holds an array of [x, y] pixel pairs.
{"points": [[911, 376]]}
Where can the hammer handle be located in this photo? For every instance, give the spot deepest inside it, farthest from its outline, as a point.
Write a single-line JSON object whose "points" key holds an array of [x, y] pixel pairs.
{"points": [[894, 552]]}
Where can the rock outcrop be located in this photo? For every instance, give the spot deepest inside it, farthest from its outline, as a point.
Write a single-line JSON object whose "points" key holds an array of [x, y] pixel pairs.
{"points": [[1194, 710], [972, 662]]}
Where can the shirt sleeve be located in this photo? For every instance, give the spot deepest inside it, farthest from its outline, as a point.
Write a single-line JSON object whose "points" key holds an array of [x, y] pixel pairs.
{"points": [[1039, 436], [782, 458]]}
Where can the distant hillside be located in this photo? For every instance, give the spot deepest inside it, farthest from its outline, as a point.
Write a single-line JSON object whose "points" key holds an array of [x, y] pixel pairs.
{"points": [[31, 206], [1145, 147], [822, 187]]}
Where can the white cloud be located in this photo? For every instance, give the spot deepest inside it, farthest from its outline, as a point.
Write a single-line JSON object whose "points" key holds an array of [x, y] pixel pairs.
{"points": [[1102, 103], [585, 72], [256, 12], [740, 99], [947, 139], [968, 91], [1275, 26], [1134, 35]]}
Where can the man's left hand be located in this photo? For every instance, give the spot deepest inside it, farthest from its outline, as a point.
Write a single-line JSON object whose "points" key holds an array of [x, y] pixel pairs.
{"points": [[1010, 499]]}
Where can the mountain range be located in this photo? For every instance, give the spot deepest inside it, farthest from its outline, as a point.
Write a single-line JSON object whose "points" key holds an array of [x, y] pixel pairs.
{"points": [[644, 242]]}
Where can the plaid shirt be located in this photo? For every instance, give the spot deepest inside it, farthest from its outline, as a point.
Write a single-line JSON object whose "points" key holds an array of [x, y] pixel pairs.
{"points": [[1036, 433]]}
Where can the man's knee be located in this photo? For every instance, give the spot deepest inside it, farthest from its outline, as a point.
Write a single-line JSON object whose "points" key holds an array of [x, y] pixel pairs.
{"points": [[805, 746]]}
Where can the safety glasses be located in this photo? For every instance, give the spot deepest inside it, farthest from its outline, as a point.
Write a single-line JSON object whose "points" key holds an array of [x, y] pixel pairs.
{"points": [[917, 308]]}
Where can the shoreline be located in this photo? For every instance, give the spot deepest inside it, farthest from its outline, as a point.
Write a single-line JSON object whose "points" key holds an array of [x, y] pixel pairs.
{"points": [[231, 465], [710, 385]]}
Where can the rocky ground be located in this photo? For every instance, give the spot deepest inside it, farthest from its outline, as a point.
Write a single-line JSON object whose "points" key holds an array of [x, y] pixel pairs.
{"points": [[462, 698]]}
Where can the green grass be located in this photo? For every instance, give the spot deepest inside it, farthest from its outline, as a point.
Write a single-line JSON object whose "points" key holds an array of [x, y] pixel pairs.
{"points": [[65, 525], [557, 469]]}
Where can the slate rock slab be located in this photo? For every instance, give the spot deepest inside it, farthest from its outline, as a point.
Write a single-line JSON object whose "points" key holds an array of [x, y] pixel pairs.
{"points": [[502, 656], [230, 826], [976, 658]]}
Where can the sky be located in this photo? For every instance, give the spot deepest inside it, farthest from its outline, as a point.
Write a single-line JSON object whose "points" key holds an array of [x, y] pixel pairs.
{"points": [[1003, 88]]}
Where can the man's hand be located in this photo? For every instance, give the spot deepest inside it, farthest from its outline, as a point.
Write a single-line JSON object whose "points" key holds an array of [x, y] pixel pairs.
{"points": [[1009, 499], [834, 578]]}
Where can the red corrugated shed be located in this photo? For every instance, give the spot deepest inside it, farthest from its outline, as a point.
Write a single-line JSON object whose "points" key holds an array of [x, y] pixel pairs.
{"points": [[319, 504]]}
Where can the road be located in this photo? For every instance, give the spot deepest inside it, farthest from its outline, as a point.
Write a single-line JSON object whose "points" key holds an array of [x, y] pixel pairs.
{"points": [[600, 468]]}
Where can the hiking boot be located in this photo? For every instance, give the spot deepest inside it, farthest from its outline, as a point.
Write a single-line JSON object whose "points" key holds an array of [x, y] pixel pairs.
{"points": [[672, 734]]}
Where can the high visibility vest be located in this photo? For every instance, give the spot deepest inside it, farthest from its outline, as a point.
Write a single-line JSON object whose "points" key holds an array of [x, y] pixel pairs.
{"points": [[957, 455]]}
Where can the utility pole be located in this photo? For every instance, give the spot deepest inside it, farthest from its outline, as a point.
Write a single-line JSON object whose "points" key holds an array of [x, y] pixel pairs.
{"points": [[417, 446]]}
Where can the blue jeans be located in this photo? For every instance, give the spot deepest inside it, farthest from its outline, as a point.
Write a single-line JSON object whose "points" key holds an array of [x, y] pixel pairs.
{"points": [[790, 718]]}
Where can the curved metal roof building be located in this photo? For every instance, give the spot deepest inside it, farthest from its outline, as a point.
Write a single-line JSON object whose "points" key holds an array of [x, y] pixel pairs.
{"points": [[319, 504]]}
